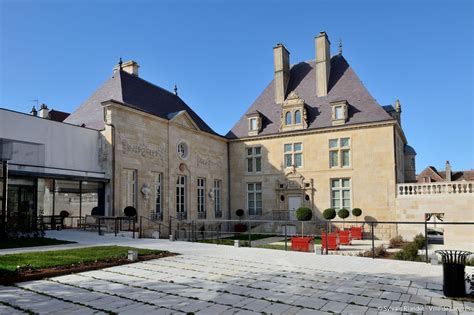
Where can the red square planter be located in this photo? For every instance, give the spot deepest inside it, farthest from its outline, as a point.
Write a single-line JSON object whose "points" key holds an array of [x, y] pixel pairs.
{"points": [[302, 244], [345, 237], [333, 241], [356, 232]]}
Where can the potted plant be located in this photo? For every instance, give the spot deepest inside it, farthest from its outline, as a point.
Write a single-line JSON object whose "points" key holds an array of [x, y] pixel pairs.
{"points": [[240, 227], [331, 242], [304, 244], [356, 231], [343, 214]]}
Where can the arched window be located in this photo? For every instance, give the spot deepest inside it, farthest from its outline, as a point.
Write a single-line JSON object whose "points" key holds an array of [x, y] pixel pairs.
{"points": [[288, 118], [298, 117]]}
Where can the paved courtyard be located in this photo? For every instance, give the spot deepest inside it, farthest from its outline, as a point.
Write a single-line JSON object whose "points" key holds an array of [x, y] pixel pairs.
{"points": [[213, 279]]}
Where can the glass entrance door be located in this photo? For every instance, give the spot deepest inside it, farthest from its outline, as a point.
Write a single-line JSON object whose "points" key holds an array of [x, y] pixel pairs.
{"points": [[21, 201]]}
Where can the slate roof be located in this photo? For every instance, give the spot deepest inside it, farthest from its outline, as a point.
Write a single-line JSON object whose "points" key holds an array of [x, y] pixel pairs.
{"points": [[57, 115], [343, 85], [439, 176], [136, 92]]}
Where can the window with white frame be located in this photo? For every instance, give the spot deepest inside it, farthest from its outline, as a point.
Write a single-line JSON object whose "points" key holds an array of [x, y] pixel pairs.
{"points": [[341, 193], [158, 182], [181, 194], [201, 194], [339, 152], [254, 159], [218, 198], [130, 187], [293, 154], [338, 112], [253, 125], [254, 198]]}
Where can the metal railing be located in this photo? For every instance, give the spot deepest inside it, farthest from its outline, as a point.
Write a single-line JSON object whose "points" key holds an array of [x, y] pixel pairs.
{"points": [[220, 231]]}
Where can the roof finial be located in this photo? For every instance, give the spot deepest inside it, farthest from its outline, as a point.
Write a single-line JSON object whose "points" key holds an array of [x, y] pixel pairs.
{"points": [[175, 90], [120, 63], [398, 106], [340, 46]]}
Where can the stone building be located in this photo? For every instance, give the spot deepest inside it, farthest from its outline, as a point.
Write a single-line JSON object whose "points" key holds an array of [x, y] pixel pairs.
{"points": [[314, 137]]}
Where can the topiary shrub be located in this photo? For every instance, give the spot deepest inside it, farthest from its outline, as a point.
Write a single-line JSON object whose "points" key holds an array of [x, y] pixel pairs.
{"points": [[130, 211], [303, 214], [329, 214], [64, 214], [240, 213], [343, 214], [357, 212]]}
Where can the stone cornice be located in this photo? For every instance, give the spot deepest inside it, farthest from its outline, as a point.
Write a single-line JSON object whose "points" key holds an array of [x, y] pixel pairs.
{"points": [[317, 131]]}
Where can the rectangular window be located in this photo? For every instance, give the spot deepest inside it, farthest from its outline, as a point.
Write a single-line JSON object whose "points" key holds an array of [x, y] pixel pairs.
{"points": [[293, 155], [339, 113], [201, 195], [181, 194], [217, 198], [339, 152], [254, 198], [254, 159], [341, 193], [158, 181], [253, 124], [130, 187]]}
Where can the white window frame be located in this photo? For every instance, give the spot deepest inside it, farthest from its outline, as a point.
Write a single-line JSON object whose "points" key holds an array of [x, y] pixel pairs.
{"points": [[292, 153], [252, 208], [339, 150], [158, 183], [291, 118], [340, 188], [131, 187], [201, 195], [217, 198], [181, 194], [301, 117], [252, 159], [251, 126]]}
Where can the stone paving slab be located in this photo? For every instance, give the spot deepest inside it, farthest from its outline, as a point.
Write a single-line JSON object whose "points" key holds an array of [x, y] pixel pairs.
{"points": [[211, 279]]}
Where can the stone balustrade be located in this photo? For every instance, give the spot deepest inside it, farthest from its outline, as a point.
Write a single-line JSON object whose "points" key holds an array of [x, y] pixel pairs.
{"points": [[461, 187]]}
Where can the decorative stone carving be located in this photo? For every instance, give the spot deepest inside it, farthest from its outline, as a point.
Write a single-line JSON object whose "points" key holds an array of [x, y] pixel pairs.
{"points": [[292, 105], [143, 150], [146, 191], [207, 162]]}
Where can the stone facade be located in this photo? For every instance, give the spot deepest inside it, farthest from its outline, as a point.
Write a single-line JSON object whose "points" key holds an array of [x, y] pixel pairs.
{"points": [[147, 145]]}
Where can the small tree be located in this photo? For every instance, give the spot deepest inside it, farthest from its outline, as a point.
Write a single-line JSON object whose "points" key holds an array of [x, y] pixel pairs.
{"points": [[303, 214], [357, 212], [329, 214], [343, 214]]}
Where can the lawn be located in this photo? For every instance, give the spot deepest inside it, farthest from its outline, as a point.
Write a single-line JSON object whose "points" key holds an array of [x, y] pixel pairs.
{"points": [[11, 263], [31, 242]]}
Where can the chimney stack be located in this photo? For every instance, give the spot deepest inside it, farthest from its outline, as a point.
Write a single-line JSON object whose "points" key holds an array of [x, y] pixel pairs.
{"points": [[281, 58], [34, 112], [44, 111], [448, 172], [323, 63], [128, 66]]}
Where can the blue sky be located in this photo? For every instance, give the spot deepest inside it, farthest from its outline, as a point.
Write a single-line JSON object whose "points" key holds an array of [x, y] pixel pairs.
{"points": [[219, 53]]}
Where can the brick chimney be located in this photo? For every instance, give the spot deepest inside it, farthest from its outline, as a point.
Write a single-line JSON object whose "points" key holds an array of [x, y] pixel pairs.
{"points": [[448, 172], [44, 111], [323, 63], [281, 59]]}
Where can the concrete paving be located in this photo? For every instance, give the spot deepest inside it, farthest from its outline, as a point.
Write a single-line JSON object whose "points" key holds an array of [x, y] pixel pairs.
{"points": [[218, 279]]}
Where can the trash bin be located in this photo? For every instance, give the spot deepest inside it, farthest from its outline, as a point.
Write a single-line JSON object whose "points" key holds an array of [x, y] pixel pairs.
{"points": [[454, 262]]}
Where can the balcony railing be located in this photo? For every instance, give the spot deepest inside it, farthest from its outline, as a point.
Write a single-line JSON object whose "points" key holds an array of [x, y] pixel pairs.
{"points": [[181, 215], [156, 216], [464, 187], [201, 215], [218, 214]]}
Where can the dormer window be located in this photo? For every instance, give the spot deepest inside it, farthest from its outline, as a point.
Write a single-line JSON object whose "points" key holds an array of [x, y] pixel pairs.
{"points": [[297, 117], [293, 113], [288, 118], [255, 123], [339, 112]]}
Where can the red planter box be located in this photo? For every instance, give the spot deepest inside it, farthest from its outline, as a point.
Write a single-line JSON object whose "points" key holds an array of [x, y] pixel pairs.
{"points": [[345, 237], [302, 244], [356, 232], [333, 241]]}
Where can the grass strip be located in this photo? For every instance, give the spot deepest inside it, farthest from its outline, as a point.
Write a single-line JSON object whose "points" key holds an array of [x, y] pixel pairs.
{"points": [[31, 242]]}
